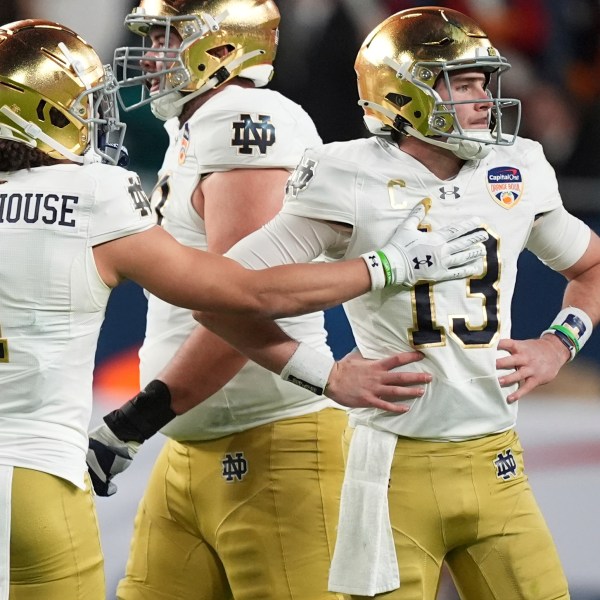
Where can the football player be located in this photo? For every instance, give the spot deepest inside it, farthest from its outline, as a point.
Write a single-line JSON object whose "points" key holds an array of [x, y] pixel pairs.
{"points": [[71, 229]]}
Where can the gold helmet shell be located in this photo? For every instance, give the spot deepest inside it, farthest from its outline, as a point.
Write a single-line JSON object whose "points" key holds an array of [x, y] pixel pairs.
{"points": [[247, 29], [52, 91], [401, 60]]}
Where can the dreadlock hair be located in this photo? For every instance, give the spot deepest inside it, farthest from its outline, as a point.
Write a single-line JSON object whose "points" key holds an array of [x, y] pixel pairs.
{"points": [[15, 156]]}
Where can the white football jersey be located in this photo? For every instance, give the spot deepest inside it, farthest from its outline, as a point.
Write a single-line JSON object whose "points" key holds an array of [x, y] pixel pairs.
{"points": [[372, 185], [52, 305], [235, 129]]}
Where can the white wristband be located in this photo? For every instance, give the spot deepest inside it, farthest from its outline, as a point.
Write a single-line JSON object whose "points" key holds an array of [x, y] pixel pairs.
{"points": [[573, 327], [308, 368], [376, 270]]}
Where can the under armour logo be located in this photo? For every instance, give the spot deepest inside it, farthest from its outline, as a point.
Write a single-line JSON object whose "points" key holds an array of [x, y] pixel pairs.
{"points": [[425, 261], [449, 192], [140, 200], [234, 467], [506, 466], [252, 135], [301, 177], [374, 260]]}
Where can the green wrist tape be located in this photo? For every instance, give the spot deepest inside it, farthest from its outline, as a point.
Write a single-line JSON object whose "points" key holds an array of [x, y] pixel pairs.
{"points": [[387, 268], [568, 333]]}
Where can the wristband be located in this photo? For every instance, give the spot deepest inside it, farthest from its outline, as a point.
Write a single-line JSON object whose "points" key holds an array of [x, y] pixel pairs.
{"points": [[573, 327], [141, 417], [308, 368], [379, 269]]}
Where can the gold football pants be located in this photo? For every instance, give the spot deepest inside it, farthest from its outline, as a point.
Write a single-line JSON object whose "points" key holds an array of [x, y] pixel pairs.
{"points": [[55, 549], [250, 516], [469, 504]]}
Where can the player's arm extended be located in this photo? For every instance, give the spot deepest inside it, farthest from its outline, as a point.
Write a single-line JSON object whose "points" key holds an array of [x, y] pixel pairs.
{"points": [[567, 245], [205, 362], [204, 281], [453, 253]]}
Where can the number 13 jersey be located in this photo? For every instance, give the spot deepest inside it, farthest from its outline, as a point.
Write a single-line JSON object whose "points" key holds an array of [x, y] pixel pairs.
{"points": [[372, 186]]}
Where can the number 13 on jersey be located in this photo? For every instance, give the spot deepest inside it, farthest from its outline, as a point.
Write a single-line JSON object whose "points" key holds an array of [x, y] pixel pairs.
{"points": [[427, 331]]}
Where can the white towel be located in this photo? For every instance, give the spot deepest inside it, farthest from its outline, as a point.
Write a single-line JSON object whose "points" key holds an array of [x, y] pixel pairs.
{"points": [[5, 511], [364, 561]]}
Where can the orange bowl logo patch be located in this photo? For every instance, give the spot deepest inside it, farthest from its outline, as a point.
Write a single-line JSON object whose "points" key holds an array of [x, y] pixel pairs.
{"points": [[184, 144], [505, 185]]}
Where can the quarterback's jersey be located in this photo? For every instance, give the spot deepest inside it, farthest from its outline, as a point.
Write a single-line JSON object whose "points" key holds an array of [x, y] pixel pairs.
{"points": [[372, 185], [235, 129], [52, 305]]}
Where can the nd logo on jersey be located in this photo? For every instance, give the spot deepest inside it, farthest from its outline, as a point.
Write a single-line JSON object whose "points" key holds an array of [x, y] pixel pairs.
{"points": [[505, 185], [138, 197], [301, 177], [251, 136]]}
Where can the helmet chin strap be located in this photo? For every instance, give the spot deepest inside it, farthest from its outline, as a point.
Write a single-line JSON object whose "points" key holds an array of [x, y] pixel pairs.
{"points": [[464, 149], [171, 104], [35, 133]]}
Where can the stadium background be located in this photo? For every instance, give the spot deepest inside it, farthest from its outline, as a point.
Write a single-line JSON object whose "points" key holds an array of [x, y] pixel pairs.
{"points": [[554, 48]]}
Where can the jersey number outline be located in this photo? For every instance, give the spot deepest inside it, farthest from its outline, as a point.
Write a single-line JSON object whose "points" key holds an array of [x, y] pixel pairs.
{"points": [[3, 348], [165, 190], [426, 331]]}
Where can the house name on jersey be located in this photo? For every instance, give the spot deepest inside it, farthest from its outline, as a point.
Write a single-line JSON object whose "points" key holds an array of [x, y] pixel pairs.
{"points": [[50, 209]]}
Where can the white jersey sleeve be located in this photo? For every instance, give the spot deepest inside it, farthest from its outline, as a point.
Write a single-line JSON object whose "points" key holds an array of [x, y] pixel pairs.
{"points": [[321, 187], [249, 128], [544, 186], [122, 207]]}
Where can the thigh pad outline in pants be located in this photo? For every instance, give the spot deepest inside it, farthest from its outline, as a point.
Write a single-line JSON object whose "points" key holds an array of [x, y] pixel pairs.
{"points": [[468, 503], [55, 542], [264, 501]]}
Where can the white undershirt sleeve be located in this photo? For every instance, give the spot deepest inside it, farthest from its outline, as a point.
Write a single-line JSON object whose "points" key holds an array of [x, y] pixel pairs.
{"points": [[559, 239], [289, 239]]}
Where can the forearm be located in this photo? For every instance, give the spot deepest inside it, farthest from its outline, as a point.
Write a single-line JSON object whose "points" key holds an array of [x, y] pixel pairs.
{"points": [[262, 340], [584, 293], [297, 289], [203, 365]]}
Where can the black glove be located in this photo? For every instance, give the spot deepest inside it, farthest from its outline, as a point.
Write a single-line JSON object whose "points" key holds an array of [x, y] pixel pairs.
{"points": [[113, 444]]}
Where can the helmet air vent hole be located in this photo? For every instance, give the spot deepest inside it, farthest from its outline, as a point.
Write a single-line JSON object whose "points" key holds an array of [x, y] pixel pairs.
{"points": [[57, 118], [397, 99], [40, 110]]}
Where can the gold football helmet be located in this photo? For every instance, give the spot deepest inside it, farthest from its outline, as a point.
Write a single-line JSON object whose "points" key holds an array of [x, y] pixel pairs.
{"points": [[399, 64], [56, 95], [220, 39]]}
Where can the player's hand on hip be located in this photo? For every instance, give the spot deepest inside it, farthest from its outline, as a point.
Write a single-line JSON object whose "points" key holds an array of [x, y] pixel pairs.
{"points": [[107, 456], [532, 363], [448, 253], [357, 382]]}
